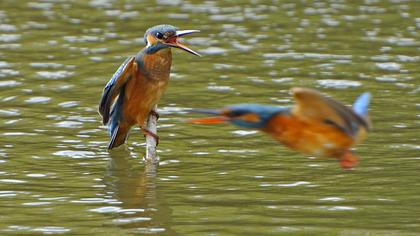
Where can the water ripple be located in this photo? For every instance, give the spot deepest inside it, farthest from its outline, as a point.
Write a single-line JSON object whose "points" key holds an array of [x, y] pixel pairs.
{"points": [[178, 16], [10, 46], [10, 112], [5, 64], [386, 79], [338, 84], [242, 47], [169, 2], [295, 184], [107, 209], [389, 66], [131, 220], [8, 73], [332, 199], [51, 230], [55, 75], [9, 83], [68, 104], [69, 124], [131, 211], [34, 25], [237, 151], [7, 28], [40, 5], [19, 134], [228, 18], [75, 154], [219, 88], [37, 175], [9, 38], [122, 15], [36, 203], [82, 39], [173, 110], [38, 100], [330, 22], [12, 181], [213, 51], [339, 208], [206, 7], [8, 194], [244, 132], [283, 80], [403, 42], [46, 65], [300, 56]]}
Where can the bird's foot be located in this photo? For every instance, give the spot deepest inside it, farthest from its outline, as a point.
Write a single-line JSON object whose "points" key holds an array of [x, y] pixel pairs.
{"points": [[149, 133], [348, 160], [155, 114]]}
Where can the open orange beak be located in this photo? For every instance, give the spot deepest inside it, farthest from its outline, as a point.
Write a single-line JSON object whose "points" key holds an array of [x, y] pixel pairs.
{"points": [[210, 120], [173, 41]]}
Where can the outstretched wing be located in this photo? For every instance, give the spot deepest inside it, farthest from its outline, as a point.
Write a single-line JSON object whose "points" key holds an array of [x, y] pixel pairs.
{"points": [[113, 87], [312, 105]]}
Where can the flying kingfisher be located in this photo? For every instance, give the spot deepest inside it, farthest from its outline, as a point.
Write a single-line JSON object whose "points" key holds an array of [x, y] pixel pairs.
{"points": [[136, 87], [316, 125]]}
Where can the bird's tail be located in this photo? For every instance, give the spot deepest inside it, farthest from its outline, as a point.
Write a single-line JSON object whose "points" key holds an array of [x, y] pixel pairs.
{"points": [[117, 131], [361, 108], [118, 136], [361, 105]]}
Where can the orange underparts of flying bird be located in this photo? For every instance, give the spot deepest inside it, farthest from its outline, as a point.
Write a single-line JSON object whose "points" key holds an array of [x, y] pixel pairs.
{"points": [[138, 84], [316, 125]]}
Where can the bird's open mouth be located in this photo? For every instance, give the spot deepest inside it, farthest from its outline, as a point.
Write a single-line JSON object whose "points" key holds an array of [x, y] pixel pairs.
{"points": [[173, 41]]}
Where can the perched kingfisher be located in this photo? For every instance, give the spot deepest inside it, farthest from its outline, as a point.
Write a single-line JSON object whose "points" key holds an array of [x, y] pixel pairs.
{"points": [[316, 125], [136, 87]]}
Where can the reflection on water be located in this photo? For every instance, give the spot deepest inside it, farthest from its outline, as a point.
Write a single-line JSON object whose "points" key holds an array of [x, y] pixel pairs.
{"points": [[141, 206], [56, 176]]}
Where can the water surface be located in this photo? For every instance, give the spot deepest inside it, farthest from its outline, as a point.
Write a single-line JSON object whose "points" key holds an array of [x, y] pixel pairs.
{"points": [[56, 176]]}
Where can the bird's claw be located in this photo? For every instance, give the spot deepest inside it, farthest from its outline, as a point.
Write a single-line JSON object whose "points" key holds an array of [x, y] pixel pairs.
{"points": [[155, 114], [348, 160], [148, 132]]}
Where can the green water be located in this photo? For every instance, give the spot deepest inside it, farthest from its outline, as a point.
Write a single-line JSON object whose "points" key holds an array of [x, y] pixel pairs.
{"points": [[56, 176]]}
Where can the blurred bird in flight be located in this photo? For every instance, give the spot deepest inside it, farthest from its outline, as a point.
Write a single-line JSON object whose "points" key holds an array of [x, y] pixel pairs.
{"points": [[316, 125], [136, 87]]}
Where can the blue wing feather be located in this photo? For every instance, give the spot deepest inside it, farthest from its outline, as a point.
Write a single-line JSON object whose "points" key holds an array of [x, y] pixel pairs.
{"points": [[111, 90], [361, 104], [115, 119]]}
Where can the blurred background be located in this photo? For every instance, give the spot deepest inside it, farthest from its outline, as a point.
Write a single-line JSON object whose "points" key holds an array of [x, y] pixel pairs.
{"points": [[56, 176]]}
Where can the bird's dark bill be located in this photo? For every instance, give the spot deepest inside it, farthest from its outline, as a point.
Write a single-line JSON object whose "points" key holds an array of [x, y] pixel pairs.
{"points": [[210, 120], [180, 33]]}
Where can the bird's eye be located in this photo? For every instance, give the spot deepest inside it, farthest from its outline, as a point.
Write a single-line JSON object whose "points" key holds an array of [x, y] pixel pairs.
{"points": [[234, 113], [159, 35]]}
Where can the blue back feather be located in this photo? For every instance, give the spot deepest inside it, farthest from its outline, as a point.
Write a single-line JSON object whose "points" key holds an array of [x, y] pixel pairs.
{"points": [[264, 112]]}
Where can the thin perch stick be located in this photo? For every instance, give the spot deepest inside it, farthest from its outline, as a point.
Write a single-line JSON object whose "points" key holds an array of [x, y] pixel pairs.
{"points": [[151, 153]]}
